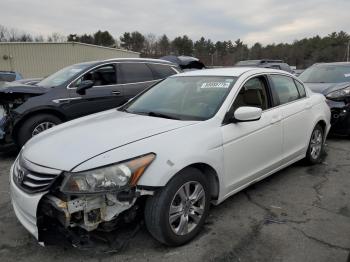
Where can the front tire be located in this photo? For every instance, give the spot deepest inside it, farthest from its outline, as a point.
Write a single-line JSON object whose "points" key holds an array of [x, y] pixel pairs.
{"points": [[177, 212], [35, 125], [315, 149]]}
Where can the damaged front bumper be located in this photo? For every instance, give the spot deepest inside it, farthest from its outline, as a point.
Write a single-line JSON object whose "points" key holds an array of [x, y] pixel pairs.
{"points": [[25, 207], [46, 213], [340, 119], [6, 141]]}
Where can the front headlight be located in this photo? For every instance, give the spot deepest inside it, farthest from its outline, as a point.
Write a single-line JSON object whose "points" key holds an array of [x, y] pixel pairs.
{"points": [[339, 94], [109, 178]]}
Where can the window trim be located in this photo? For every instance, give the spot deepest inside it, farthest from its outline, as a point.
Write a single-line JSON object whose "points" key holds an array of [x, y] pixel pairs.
{"points": [[295, 82], [116, 75], [69, 87]]}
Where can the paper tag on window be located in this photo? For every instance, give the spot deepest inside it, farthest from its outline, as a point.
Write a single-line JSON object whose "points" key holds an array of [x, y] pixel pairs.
{"points": [[216, 85]]}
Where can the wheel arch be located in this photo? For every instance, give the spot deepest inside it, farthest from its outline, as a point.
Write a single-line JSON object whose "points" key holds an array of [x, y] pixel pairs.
{"points": [[210, 173], [50, 111], [323, 124]]}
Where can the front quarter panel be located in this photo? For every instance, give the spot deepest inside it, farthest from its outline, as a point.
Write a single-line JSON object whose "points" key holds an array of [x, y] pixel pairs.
{"points": [[175, 150]]}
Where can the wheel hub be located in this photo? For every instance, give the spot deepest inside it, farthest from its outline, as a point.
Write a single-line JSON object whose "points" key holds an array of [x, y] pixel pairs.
{"points": [[42, 127], [187, 208]]}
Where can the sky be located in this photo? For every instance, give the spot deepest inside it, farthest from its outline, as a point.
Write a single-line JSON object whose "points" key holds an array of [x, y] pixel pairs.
{"points": [[264, 21]]}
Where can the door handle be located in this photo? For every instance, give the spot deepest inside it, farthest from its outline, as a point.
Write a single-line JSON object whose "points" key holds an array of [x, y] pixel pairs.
{"points": [[116, 93], [276, 119]]}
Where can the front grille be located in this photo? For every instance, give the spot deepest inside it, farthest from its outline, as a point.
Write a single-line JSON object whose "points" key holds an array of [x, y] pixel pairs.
{"points": [[33, 181]]}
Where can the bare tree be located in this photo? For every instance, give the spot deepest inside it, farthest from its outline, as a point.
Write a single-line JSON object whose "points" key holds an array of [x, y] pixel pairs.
{"points": [[39, 38], [57, 38], [13, 35], [151, 45], [3, 33]]}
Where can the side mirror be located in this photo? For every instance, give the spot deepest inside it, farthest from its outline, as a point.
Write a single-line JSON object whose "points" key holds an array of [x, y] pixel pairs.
{"points": [[86, 84], [247, 114]]}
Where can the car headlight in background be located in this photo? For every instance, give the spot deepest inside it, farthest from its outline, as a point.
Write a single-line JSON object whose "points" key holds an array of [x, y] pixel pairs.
{"points": [[107, 178], [339, 94]]}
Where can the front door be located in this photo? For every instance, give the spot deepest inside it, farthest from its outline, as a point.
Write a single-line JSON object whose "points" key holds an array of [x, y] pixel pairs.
{"points": [[105, 94], [252, 149]]}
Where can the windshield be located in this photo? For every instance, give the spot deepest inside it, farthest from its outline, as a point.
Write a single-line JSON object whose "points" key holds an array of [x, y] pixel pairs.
{"points": [[62, 75], [183, 98], [326, 74]]}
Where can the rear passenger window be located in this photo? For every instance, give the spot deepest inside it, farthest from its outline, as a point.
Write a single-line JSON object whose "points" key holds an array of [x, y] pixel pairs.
{"points": [[285, 88], [301, 88], [161, 71], [134, 72]]}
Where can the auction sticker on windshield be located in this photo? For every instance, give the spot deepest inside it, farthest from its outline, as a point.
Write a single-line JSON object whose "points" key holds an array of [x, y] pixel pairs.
{"points": [[216, 85]]}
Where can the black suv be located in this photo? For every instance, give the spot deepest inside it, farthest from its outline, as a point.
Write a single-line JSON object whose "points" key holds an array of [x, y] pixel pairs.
{"points": [[72, 92]]}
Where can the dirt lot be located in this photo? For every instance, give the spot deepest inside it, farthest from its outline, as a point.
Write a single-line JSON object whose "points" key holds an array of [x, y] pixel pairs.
{"points": [[299, 214]]}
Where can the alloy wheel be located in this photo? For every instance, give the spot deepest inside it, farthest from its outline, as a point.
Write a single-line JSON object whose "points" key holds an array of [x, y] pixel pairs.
{"points": [[187, 208], [316, 144], [42, 127]]}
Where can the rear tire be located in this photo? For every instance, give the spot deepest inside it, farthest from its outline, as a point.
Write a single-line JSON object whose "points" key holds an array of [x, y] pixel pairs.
{"points": [[177, 212], [315, 150], [35, 125]]}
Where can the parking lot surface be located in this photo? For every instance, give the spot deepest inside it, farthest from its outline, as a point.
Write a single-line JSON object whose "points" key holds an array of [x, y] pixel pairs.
{"points": [[301, 213]]}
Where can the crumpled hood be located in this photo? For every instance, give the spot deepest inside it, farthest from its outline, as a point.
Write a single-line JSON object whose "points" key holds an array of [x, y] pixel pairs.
{"points": [[326, 88], [69, 144], [10, 88]]}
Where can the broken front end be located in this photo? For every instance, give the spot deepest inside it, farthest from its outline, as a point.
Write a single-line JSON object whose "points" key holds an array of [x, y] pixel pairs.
{"points": [[77, 206], [11, 97]]}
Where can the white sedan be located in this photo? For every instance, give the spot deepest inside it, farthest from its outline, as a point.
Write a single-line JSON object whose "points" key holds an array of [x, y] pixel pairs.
{"points": [[193, 139]]}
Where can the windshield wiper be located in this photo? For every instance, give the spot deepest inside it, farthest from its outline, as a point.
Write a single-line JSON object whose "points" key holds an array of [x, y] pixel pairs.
{"points": [[156, 114], [151, 113]]}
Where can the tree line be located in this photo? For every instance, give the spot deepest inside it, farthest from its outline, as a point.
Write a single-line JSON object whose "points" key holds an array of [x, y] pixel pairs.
{"points": [[301, 53]]}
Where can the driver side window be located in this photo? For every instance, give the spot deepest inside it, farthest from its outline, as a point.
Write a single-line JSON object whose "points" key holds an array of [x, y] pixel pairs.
{"points": [[101, 76], [253, 93]]}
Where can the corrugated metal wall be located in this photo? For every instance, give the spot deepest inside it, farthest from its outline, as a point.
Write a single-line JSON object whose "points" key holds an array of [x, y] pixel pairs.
{"points": [[42, 59]]}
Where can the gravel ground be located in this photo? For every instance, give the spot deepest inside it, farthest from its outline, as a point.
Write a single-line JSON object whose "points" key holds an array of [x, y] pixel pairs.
{"points": [[299, 214]]}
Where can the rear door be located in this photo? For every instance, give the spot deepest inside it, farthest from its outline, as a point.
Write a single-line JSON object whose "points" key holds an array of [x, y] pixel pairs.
{"points": [[296, 117], [134, 77], [105, 94], [252, 149]]}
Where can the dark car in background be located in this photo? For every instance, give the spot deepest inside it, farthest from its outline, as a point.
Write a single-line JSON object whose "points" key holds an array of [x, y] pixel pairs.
{"points": [[266, 63], [72, 92], [333, 81], [9, 76], [186, 63]]}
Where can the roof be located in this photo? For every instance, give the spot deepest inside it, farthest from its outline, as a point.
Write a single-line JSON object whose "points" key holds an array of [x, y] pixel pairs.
{"points": [[145, 60], [142, 60], [67, 43], [229, 71]]}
